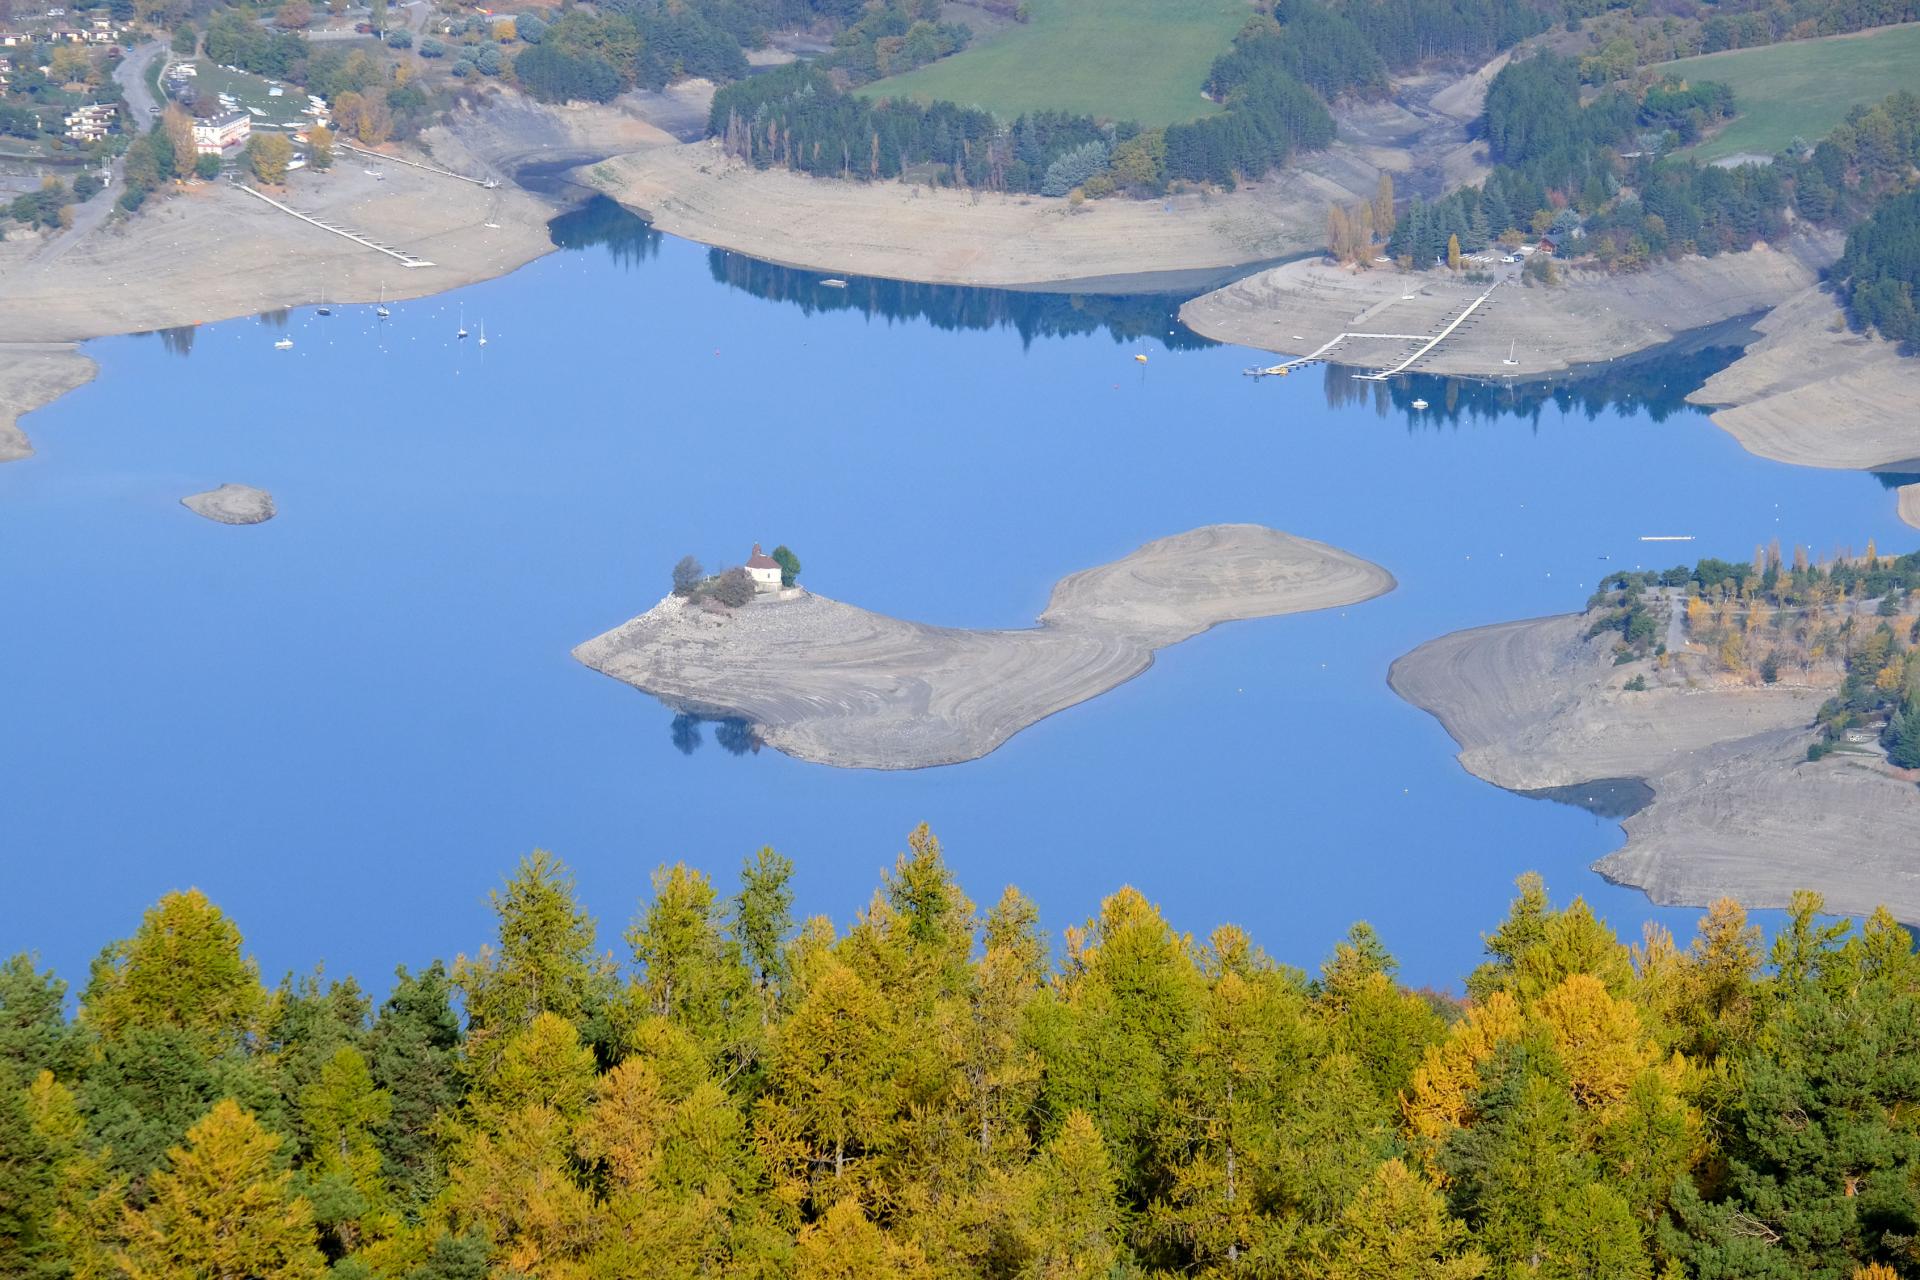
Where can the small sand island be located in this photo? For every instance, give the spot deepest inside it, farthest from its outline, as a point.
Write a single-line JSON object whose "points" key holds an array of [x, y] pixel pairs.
{"points": [[232, 504], [1769, 722], [836, 684]]}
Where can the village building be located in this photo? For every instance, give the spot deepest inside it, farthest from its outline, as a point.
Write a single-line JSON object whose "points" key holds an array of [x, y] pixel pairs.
{"points": [[90, 123], [218, 133], [14, 39], [764, 570]]}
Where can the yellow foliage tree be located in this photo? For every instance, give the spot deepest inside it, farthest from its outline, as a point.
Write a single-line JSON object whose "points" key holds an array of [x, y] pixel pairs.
{"points": [[1449, 1072], [268, 154], [1598, 1038], [1397, 1228], [1698, 618], [844, 1245], [89, 1200], [220, 1208]]}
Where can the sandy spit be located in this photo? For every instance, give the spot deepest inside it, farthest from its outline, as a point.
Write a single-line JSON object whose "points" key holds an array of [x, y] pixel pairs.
{"points": [[32, 375], [1590, 318], [835, 684], [1737, 809], [232, 504]]}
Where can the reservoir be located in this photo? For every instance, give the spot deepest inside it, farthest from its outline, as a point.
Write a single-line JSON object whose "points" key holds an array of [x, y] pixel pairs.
{"points": [[346, 724]]}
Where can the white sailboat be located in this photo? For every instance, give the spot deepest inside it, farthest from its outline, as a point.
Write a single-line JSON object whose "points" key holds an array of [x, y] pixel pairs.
{"points": [[483, 333], [380, 312], [463, 323]]}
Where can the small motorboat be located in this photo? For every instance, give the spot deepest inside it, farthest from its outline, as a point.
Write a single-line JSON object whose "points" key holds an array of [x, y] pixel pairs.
{"points": [[833, 282], [285, 344], [1140, 359], [1419, 404]]}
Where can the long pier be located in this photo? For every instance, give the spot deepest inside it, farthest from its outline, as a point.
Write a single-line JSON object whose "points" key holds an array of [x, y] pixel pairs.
{"points": [[488, 183], [403, 258], [1427, 343]]}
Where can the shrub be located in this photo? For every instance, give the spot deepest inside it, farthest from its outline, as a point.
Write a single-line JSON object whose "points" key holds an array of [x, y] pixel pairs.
{"points": [[431, 48], [733, 588], [687, 575], [1073, 168], [207, 167], [400, 39]]}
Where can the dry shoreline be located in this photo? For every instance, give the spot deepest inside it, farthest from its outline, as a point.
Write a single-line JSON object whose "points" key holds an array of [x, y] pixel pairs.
{"points": [[1737, 809], [1589, 318], [834, 684], [1808, 391], [212, 253]]}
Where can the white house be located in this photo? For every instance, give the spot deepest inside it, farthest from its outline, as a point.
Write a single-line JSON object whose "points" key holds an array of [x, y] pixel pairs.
{"points": [[215, 135], [764, 570]]}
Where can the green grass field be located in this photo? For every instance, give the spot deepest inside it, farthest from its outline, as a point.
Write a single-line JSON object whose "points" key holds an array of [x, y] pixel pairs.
{"points": [[1803, 88], [1141, 60]]}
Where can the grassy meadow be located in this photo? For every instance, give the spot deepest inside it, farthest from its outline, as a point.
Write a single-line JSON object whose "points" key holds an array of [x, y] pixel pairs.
{"points": [[1141, 60], [1803, 88]]}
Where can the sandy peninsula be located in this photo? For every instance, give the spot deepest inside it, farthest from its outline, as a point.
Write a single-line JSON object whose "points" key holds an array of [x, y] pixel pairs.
{"points": [[1589, 318], [835, 684], [33, 374], [1737, 809], [232, 504]]}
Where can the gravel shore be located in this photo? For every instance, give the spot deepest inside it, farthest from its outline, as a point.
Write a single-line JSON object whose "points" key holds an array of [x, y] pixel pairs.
{"points": [[835, 684]]}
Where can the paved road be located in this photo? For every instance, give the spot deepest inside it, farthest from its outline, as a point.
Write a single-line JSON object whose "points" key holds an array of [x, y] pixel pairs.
{"points": [[131, 76]]}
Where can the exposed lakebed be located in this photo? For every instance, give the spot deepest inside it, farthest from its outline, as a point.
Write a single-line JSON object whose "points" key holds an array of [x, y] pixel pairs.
{"points": [[369, 701]]}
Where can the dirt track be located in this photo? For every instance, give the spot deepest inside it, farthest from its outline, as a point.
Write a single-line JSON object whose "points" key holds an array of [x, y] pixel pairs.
{"points": [[835, 684]]}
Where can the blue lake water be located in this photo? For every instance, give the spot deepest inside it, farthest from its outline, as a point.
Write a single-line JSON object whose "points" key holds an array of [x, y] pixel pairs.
{"points": [[346, 724]]}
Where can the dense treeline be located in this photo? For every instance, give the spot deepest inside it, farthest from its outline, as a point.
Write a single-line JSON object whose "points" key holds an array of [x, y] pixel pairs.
{"points": [[932, 1093], [1740, 24], [1408, 32], [1880, 271], [1308, 41], [1600, 172], [585, 57], [798, 118]]}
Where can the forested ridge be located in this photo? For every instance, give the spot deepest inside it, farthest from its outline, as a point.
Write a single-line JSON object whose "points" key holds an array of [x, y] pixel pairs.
{"points": [[937, 1091]]}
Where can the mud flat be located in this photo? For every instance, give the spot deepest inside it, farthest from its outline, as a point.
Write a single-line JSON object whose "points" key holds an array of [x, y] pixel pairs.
{"points": [[1589, 318], [232, 504], [1737, 809], [835, 684], [1814, 393]]}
